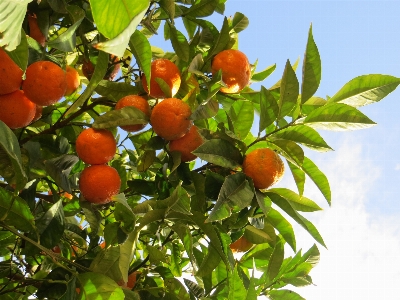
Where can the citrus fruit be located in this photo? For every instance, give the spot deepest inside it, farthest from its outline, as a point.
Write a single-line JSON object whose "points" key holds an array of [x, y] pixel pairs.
{"points": [[34, 30], [138, 102], [38, 113], [96, 146], [186, 144], [16, 110], [45, 83], [241, 245], [170, 119], [132, 280], [10, 74], [98, 183], [73, 81], [167, 71], [264, 166], [87, 69], [235, 70]]}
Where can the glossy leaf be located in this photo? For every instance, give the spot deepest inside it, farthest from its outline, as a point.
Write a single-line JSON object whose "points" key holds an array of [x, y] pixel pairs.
{"points": [[264, 202], [311, 69], [275, 261], [312, 104], [205, 110], [141, 49], [179, 43], [221, 41], [113, 17], [261, 76], [51, 225], [202, 8], [242, 116], [239, 22], [365, 89], [10, 154], [289, 91], [127, 115], [98, 286], [304, 135], [290, 150], [269, 109], [299, 203], [318, 177], [20, 54], [299, 177], [338, 117], [219, 152], [15, 212], [283, 226]]}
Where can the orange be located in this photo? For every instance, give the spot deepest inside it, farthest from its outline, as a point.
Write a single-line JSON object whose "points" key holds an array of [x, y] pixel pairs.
{"points": [[73, 81], [45, 83], [56, 249], [96, 146], [87, 69], [102, 245], [34, 30], [98, 183], [10, 74], [138, 102], [170, 119], [186, 144], [241, 245], [132, 280], [235, 70], [167, 71], [68, 196], [264, 166], [16, 110], [38, 113]]}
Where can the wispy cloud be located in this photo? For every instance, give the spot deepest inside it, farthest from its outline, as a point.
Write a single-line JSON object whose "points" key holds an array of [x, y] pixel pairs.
{"points": [[363, 260]]}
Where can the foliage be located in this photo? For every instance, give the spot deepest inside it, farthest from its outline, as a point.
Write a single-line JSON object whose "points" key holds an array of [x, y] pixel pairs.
{"points": [[171, 220]]}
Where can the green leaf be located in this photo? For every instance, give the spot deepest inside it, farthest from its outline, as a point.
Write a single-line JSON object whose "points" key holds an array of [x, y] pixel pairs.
{"points": [[221, 41], [12, 15], [179, 43], [10, 156], [141, 49], [93, 216], [128, 115], [193, 288], [115, 90], [176, 259], [269, 109], [67, 40], [51, 225], [239, 22], [261, 76], [311, 256], [236, 192], [210, 262], [169, 7], [289, 91], [284, 295], [319, 178], [15, 212], [260, 236], [283, 226], [219, 152], [365, 89], [112, 18], [202, 8], [304, 135], [206, 110], [299, 177], [50, 290], [289, 209], [235, 286], [311, 69], [20, 54], [118, 44], [242, 116], [312, 104], [299, 203], [276, 259], [59, 168], [98, 286], [338, 117], [290, 150], [264, 202]]}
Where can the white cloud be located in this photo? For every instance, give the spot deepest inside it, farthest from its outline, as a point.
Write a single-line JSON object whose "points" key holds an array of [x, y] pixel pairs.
{"points": [[363, 260]]}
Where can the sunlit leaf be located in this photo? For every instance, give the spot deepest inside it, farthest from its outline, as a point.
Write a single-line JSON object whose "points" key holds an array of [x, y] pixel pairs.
{"points": [[239, 22], [283, 226], [300, 203], [98, 286], [318, 177], [141, 49], [289, 91], [128, 115], [261, 76]]}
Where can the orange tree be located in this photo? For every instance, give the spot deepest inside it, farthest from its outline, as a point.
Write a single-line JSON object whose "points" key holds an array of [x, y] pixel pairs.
{"points": [[174, 223]]}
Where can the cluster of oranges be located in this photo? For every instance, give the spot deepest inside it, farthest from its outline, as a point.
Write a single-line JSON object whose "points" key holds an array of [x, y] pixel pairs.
{"points": [[22, 101]]}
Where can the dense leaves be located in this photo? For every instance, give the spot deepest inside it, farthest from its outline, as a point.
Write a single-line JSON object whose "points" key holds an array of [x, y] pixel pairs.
{"points": [[174, 228]]}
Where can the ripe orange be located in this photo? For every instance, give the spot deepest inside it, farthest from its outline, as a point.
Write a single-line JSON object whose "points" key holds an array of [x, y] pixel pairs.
{"points": [[38, 113], [170, 119], [235, 70], [241, 245], [34, 30], [16, 110], [132, 280], [10, 74], [167, 71], [87, 69], [56, 249], [73, 81], [186, 144], [96, 146], [102, 245], [264, 166], [45, 83], [138, 102], [98, 183]]}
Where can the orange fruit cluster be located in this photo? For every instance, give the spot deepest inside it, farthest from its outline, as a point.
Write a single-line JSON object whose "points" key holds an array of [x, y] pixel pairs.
{"points": [[22, 101], [99, 182]]}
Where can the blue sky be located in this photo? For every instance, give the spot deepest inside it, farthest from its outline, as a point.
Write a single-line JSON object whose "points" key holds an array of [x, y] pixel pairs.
{"points": [[362, 228]]}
